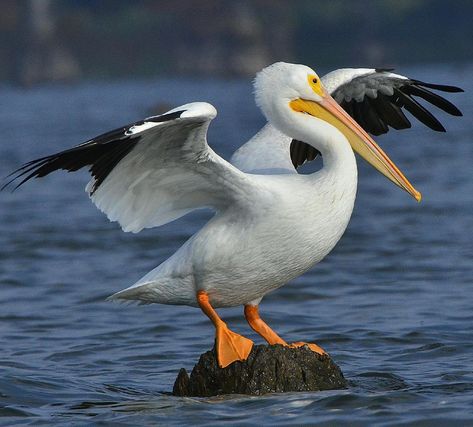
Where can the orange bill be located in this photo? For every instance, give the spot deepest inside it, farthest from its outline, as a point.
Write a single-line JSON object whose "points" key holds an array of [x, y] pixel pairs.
{"points": [[328, 109]]}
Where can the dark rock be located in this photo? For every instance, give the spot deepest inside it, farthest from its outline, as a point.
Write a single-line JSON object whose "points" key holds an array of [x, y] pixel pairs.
{"points": [[268, 369]]}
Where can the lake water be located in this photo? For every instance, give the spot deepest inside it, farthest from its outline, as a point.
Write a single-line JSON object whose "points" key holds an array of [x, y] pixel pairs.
{"points": [[392, 303]]}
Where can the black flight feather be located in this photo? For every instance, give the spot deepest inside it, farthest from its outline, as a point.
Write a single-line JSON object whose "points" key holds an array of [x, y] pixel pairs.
{"points": [[391, 114], [302, 152], [101, 154], [432, 98], [417, 110], [377, 123], [443, 88]]}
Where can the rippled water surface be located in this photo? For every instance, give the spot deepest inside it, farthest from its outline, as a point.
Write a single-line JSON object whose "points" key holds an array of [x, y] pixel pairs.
{"points": [[392, 303]]}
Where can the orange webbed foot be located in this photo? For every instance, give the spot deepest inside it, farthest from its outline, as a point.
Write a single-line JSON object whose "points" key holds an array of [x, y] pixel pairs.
{"points": [[314, 347], [231, 346], [259, 326]]}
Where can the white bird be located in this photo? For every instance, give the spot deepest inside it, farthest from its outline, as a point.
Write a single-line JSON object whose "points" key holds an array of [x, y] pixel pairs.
{"points": [[271, 225]]}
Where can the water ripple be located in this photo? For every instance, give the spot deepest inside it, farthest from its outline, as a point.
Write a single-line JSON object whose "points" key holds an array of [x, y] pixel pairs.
{"points": [[391, 303]]}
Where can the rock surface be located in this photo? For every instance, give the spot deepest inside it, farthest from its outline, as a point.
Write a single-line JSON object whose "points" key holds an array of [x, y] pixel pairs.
{"points": [[268, 369]]}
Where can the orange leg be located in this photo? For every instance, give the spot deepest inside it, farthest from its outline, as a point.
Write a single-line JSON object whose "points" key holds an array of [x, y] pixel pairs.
{"points": [[262, 328], [229, 345]]}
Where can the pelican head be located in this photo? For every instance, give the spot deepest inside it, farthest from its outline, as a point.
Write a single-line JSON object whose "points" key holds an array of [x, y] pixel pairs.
{"points": [[297, 89]]}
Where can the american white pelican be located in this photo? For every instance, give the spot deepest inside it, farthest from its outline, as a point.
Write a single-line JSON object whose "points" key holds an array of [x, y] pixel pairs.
{"points": [[269, 227]]}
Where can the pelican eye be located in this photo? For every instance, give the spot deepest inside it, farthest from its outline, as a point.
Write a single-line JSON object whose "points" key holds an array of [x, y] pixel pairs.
{"points": [[315, 84]]}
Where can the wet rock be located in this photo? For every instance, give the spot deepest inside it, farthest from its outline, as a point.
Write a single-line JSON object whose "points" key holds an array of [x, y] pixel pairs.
{"points": [[268, 369]]}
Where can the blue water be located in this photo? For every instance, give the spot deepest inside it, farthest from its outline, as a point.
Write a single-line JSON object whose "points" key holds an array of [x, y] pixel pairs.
{"points": [[392, 303]]}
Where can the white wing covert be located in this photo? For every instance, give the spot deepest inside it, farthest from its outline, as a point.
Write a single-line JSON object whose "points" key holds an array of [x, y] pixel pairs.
{"points": [[265, 153], [151, 172]]}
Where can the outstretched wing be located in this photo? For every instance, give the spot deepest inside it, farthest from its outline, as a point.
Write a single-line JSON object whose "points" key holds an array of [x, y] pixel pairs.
{"points": [[375, 98], [151, 172]]}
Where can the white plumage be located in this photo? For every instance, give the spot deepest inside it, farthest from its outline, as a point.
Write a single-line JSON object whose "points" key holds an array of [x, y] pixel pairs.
{"points": [[271, 224], [269, 228]]}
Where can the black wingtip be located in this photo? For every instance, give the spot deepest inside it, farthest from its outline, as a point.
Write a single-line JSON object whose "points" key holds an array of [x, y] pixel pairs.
{"points": [[11, 177], [8, 184], [443, 88], [5, 186], [431, 97], [418, 111]]}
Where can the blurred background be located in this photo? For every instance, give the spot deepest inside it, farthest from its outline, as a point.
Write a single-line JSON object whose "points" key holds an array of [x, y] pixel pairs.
{"points": [[68, 40], [391, 303]]}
